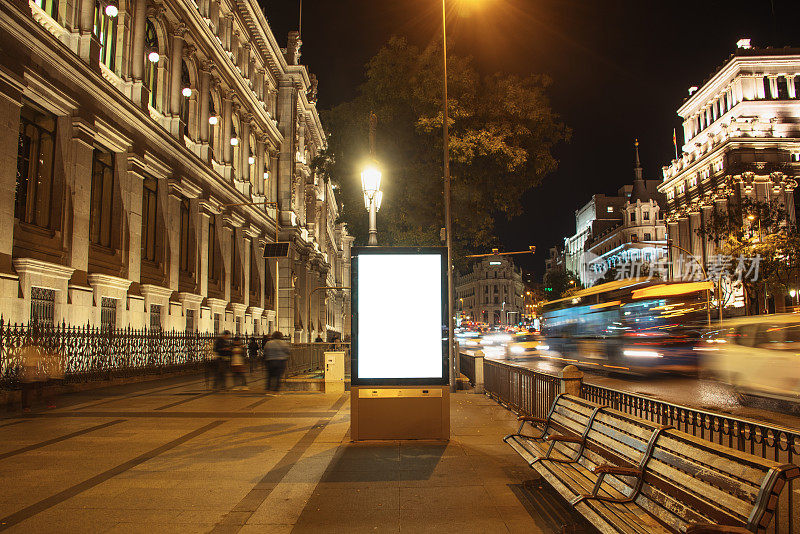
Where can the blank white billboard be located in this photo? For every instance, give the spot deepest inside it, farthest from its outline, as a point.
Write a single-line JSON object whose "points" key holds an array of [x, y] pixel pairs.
{"points": [[399, 307]]}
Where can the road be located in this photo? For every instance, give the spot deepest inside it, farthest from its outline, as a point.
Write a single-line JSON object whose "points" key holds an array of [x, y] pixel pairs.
{"points": [[688, 391]]}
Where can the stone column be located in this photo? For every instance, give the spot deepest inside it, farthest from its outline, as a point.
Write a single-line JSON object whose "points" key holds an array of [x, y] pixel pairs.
{"points": [[205, 98], [227, 126], [228, 40], [202, 245], [78, 188], [273, 175], [88, 45], [137, 52], [285, 303], [284, 173], [260, 160], [172, 218], [213, 14], [10, 105], [245, 60], [136, 172], [227, 234], [245, 254], [176, 67], [244, 147]]}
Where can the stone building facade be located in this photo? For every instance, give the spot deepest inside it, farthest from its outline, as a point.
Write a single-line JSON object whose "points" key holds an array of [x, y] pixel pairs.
{"points": [[492, 292], [148, 152], [742, 140], [640, 236]]}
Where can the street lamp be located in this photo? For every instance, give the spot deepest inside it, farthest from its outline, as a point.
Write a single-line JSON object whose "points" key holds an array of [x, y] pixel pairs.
{"points": [[371, 187]]}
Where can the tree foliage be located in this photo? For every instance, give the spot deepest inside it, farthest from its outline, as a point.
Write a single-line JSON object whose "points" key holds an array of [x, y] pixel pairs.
{"points": [[561, 281], [761, 229], [502, 132]]}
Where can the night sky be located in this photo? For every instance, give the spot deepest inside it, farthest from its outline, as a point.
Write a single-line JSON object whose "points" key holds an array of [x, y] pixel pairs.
{"points": [[620, 69]]}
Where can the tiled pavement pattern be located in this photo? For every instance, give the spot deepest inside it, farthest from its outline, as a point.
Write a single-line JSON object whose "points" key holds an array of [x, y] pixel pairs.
{"points": [[169, 456]]}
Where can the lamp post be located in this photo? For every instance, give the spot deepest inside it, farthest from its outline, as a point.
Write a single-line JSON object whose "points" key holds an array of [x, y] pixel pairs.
{"points": [[371, 187]]}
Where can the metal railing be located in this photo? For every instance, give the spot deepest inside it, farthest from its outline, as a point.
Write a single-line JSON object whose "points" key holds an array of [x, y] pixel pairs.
{"points": [[87, 353], [531, 392], [467, 366]]}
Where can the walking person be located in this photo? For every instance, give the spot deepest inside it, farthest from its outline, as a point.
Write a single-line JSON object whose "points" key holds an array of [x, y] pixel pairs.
{"points": [[238, 365], [222, 353], [276, 354], [252, 352]]}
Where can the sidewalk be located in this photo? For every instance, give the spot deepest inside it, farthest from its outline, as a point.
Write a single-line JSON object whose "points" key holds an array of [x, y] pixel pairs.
{"points": [[174, 457]]}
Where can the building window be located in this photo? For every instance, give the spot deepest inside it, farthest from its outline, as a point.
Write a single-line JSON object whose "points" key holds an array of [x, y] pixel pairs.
{"points": [[50, 7], [43, 305], [149, 211], [105, 29], [216, 323], [783, 88], [184, 252], [610, 209], [102, 198], [108, 313], [155, 317], [646, 216], [238, 326], [190, 325], [151, 68], [633, 216], [236, 279], [647, 236], [35, 165]]}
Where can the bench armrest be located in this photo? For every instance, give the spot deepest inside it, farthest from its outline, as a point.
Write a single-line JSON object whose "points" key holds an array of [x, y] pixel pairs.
{"points": [[608, 469], [702, 528], [562, 437], [531, 419]]}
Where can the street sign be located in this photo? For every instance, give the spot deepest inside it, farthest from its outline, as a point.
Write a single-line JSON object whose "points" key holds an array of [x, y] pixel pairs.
{"points": [[276, 250]]}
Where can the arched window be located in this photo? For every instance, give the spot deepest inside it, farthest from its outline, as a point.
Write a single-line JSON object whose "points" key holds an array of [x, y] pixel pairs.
{"points": [[105, 29], [151, 67], [185, 100]]}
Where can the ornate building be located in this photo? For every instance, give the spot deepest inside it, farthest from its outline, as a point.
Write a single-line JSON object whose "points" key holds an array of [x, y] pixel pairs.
{"points": [[492, 292], [148, 152], [639, 237], [742, 141]]}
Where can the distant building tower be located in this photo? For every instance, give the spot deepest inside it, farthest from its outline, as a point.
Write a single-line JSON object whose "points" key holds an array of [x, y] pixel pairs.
{"points": [[640, 237]]}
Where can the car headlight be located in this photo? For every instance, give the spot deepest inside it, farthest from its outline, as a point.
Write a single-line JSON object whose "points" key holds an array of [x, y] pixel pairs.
{"points": [[516, 349], [471, 343], [631, 353], [543, 347]]}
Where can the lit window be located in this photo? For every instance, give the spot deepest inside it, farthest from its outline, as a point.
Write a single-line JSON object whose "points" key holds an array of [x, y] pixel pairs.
{"points": [[610, 209]]}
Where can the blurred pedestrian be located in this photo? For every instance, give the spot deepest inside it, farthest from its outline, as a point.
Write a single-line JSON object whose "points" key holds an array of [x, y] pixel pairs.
{"points": [[32, 374], [252, 352], [222, 355], [238, 365], [276, 356]]}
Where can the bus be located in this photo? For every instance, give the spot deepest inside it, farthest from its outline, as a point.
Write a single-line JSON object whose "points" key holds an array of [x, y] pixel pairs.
{"points": [[634, 326]]}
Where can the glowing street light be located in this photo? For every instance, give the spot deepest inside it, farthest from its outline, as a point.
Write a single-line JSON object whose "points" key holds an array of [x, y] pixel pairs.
{"points": [[371, 187]]}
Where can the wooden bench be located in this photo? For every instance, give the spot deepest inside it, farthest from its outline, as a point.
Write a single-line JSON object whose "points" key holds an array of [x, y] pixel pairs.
{"points": [[626, 474]]}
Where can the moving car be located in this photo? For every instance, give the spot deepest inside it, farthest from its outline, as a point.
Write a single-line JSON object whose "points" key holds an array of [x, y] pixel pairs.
{"points": [[525, 344], [757, 355]]}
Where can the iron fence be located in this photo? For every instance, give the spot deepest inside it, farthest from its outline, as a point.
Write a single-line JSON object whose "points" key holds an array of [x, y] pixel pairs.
{"points": [[467, 366], [531, 392], [85, 353]]}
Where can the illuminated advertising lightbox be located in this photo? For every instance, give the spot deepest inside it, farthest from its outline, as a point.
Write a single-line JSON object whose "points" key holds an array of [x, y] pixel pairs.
{"points": [[399, 324]]}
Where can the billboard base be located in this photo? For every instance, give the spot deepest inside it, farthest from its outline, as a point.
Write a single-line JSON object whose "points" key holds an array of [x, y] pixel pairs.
{"points": [[391, 412]]}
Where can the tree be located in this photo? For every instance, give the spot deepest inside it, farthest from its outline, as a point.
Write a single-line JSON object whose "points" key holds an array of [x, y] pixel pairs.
{"points": [[762, 230], [502, 131], [560, 282]]}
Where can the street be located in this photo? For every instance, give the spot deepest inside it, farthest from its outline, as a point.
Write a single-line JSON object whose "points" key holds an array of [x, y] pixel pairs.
{"points": [[689, 391]]}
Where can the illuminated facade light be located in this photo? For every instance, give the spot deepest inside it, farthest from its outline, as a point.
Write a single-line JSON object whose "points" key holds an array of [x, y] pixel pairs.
{"points": [[212, 120], [187, 92], [266, 175], [743, 43], [153, 57], [112, 11], [692, 90], [251, 160], [234, 141]]}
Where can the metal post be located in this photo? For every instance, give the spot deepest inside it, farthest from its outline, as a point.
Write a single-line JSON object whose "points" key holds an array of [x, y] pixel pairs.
{"points": [[447, 227], [373, 224]]}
